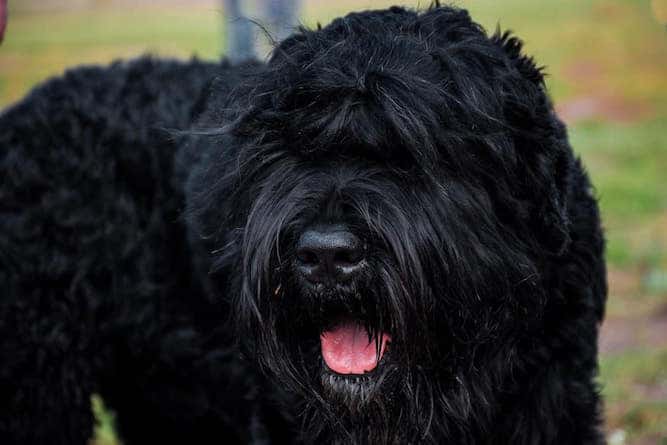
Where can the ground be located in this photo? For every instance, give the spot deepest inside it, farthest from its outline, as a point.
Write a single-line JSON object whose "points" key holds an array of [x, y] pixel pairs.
{"points": [[607, 65]]}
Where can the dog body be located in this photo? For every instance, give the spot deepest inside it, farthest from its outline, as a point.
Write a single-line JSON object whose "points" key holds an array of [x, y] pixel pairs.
{"points": [[379, 236]]}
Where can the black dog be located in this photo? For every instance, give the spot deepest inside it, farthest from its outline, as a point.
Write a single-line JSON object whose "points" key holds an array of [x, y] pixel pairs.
{"points": [[385, 219]]}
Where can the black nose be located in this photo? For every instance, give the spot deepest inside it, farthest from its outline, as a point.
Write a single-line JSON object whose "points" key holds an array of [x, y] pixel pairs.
{"points": [[329, 254]]}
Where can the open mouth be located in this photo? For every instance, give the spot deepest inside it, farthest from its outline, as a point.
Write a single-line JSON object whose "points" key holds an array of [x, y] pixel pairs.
{"points": [[349, 349]]}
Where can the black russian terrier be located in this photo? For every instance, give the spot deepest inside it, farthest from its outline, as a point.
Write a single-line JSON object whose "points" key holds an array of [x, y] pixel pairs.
{"points": [[379, 236]]}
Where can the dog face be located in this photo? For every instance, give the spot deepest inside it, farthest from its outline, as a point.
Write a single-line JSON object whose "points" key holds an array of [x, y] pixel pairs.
{"points": [[379, 205]]}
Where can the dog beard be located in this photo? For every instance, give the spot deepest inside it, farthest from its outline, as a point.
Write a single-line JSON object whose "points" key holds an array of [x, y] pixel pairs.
{"points": [[345, 353], [416, 391]]}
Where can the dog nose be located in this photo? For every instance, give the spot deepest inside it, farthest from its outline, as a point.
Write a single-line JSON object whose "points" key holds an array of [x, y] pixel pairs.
{"points": [[329, 254]]}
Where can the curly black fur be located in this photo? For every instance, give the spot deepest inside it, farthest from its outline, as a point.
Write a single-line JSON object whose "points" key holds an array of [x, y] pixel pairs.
{"points": [[157, 268]]}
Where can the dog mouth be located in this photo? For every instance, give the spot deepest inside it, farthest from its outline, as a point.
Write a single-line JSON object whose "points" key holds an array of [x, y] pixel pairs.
{"points": [[349, 348]]}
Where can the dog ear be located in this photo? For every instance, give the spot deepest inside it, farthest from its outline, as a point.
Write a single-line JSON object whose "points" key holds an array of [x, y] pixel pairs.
{"points": [[540, 141], [513, 101]]}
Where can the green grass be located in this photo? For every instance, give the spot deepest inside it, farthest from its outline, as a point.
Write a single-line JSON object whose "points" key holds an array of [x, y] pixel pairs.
{"points": [[637, 381], [105, 420], [38, 45], [609, 49], [628, 164]]}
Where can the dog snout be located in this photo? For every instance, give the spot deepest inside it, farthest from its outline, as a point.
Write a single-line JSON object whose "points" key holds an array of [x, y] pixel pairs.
{"points": [[329, 254]]}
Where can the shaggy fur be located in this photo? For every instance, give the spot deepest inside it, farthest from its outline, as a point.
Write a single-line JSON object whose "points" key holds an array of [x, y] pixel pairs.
{"points": [[158, 268]]}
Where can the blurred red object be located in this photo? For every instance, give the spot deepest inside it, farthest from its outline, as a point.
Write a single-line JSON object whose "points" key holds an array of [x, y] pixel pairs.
{"points": [[3, 18]]}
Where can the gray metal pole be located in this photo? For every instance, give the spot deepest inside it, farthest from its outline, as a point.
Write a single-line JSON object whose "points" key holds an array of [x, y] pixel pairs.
{"points": [[282, 17], [240, 35]]}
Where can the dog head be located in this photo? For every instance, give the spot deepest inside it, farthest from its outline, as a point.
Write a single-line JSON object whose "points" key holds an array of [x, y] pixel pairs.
{"points": [[378, 199]]}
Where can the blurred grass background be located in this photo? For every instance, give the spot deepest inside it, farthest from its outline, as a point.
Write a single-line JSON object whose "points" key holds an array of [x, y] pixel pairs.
{"points": [[607, 66]]}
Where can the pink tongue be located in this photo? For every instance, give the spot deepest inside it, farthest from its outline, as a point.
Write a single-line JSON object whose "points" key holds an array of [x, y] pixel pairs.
{"points": [[346, 349]]}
